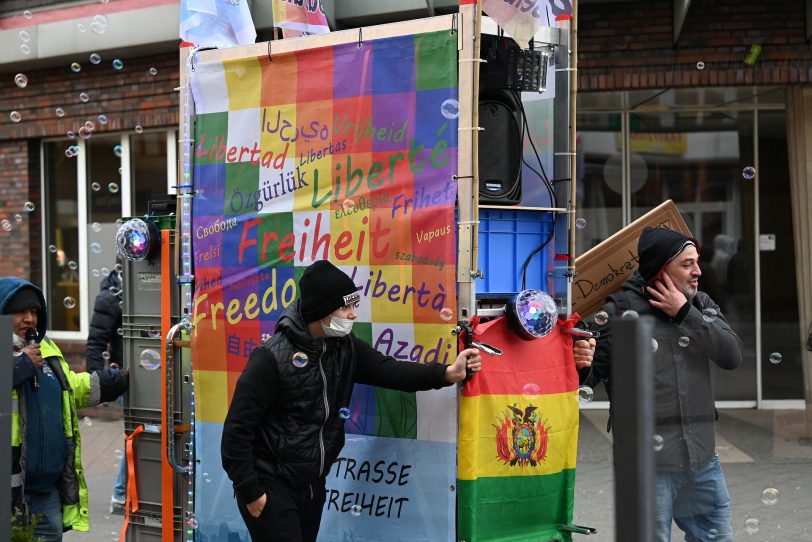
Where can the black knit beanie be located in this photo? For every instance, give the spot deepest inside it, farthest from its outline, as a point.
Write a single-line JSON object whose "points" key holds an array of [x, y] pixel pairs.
{"points": [[325, 288], [24, 299], [658, 246]]}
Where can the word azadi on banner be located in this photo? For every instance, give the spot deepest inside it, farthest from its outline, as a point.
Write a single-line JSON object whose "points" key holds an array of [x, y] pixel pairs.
{"points": [[216, 23], [300, 17], [349, 154], [521, 19]]}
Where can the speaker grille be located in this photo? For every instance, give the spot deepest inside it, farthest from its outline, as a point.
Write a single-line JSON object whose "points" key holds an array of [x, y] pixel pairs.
{"points": [[500, 149]]}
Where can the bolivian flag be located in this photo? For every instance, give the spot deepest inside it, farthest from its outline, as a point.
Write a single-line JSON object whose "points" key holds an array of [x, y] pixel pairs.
{"points": [[519, 439]]}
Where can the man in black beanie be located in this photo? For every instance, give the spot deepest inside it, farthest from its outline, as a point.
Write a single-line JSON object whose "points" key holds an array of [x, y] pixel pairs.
{"points": [[690, 333], [283, 429]]}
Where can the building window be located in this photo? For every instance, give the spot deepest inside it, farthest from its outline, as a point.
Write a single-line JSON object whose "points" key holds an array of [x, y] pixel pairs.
{"points": [[85, 196]]}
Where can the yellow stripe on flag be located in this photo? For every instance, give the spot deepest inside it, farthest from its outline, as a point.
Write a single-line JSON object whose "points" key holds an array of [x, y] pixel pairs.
{"points": [[517, 435]]}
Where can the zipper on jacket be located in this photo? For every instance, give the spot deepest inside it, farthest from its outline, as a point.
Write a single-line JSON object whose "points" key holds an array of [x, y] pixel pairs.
{"points": [[326, 410]]}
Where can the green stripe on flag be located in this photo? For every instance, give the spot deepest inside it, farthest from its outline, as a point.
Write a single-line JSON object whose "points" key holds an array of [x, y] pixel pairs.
{"points": [[515, 508]]}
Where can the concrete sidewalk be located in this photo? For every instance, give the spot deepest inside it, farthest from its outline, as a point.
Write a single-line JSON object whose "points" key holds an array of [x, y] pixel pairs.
{"points": [[758, 449]]}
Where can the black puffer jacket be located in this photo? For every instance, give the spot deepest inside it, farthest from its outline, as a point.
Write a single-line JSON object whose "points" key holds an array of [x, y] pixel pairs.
{"points": [[686, 344], [104, 325], [284, 423]]}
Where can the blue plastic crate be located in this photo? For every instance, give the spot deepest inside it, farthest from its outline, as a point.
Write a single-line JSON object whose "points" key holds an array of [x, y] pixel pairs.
{"points": [[506, 238]]}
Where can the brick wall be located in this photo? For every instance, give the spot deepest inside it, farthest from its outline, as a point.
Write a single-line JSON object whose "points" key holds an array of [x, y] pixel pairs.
{"points": [[629, 45], [129, 97]]}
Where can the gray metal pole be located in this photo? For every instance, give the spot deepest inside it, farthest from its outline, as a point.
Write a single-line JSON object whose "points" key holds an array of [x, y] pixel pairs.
{"points": [[5, 427], [633, 429]]}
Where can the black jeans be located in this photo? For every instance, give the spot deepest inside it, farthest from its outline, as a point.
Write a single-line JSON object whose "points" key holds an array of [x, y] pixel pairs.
{"points": [[290, 515]]}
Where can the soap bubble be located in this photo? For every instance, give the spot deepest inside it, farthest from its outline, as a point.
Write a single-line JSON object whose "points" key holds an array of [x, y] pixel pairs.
{"points": [[25, 36], [27, 14], [709, 315], [712, 534], [531, 388], [769, 496], [775, 358], [153, 71], [749, 173], [149, 359], [117, 151], [75, 67], [84, 97], [96, 273], [450, 109], [105, 271], [18, 217], [118, 64], [73, 266], [85, 132], [355, 510], [299, 359], [585, 395], [60, 112], [654, 345], [81, 27], [96, 227], [95, 58], [601, 318], [206, 477], [105, 354], [630, 315], [700, 65], [446, 314], [119, 454], [6, 225], [21, 80], [69, 152], [87, 421], [118, 268], [98, 28], [119, 331], [102, 119], [138, 129], [96, 247], [95, 186], [657, 443], [69, 302], [15, 116], [112, 187], [751, 525], [70, 134], [52, 249], [344, 413], [29, 206], [193, 523], [683, 341], [580, 223]]}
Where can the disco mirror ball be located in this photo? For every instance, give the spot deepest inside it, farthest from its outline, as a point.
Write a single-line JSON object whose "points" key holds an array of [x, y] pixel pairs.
{"points": [[136, 239], [533, 313]]}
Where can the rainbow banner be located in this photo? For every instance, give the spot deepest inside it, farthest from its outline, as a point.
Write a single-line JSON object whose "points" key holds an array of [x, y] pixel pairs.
{"points": [[300, 18], [518, 439], [349, 154]]}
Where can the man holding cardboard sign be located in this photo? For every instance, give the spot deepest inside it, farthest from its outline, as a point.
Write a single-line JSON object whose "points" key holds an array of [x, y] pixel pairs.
{"points": [[689, 332]]}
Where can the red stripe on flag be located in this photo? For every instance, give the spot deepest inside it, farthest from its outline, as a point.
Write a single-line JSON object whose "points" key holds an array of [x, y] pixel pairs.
{"points": [[537, 367]]}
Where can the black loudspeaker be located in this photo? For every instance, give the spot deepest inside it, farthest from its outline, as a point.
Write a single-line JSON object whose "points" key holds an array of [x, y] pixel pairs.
{"points": [[500, 116], [500, 148]]}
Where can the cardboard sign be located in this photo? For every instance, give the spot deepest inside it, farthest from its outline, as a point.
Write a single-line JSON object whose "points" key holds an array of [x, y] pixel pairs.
{"points": [[602, 269]]}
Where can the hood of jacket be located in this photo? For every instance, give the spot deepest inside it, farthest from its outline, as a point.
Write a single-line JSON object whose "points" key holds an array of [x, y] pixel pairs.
{"points": [[292, 324], [112, 280], [9, 286]]}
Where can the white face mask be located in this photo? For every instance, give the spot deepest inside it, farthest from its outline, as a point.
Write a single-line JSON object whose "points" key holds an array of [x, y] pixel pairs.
{"points": [[339, 327]]}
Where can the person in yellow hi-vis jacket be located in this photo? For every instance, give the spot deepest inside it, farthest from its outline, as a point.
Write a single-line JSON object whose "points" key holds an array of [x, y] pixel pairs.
{"points": [[47, 480]]}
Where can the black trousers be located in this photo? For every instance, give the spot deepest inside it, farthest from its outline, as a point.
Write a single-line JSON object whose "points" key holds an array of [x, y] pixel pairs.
{"points": [[290, 515]]}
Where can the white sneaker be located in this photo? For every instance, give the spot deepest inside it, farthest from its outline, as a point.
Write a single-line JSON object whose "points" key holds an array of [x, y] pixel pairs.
{"points": [[117, 506]]}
